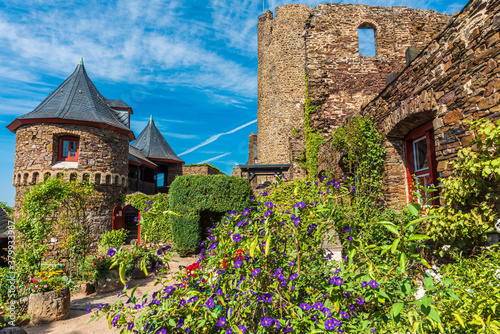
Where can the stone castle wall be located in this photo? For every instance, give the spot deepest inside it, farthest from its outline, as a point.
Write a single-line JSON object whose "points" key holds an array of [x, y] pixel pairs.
{"points": [[455, 78], [323, 42], [199, 170], [280, 81], [340, 79], [103, 159]]}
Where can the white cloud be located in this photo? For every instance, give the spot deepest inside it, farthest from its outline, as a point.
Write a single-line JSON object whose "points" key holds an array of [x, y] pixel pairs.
{"points": [[215, 158], [215, 137]]}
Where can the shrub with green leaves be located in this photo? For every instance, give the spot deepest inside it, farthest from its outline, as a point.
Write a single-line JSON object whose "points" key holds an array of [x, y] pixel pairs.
{"points": [[263, 270], [201, 201], [113, 239], [155, 221], [471, 193]]}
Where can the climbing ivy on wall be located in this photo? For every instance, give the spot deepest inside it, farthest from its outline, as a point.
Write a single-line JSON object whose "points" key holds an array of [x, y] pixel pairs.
{"points": [[363, 157], [313, 139]]}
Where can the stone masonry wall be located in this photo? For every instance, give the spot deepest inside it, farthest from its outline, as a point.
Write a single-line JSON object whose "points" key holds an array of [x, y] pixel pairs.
{"points": [[340, 79], [280, 81], [455, 78], [324, 43], [199, 170], [103, 159]]}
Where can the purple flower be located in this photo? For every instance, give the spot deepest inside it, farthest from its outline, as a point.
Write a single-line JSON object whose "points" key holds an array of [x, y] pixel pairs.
{"points": [[268, 213], [192, 299], [336, 280], [318, 306], [169, 290], [373, 284], [326, 311], [293, 276], [344, 315], [229, 331], [111, 252], [180, 323], [182, 302], [267, 297], [300, 205], [349, 238], [236, 237], [305, 306], [130, 325], [222, 322], [238, 264], [364, 284], [149, 207], [256, 271], [136, 219], [89, 309], [292, 263], [372, 330], [347, 229], [161, 331], [210, 303], [346, 294], [330, 324], [269, 204], [264, 193], [359, 301], [266, 321]]}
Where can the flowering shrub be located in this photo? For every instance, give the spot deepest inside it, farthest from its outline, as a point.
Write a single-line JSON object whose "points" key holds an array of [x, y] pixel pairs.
{"points": [[263, 270], [101, 266], [46, 281]]}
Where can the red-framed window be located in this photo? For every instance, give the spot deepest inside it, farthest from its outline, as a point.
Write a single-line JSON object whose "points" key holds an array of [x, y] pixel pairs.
{"points": [[420, 158], [68, 148]]}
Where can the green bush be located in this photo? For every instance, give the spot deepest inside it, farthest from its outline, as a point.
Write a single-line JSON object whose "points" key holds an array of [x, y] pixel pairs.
{"points": [[155, 221], [113, 239], [201, 200], [470, 194]]}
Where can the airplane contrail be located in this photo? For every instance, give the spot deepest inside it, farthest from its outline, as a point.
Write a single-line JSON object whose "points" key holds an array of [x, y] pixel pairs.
{"points": [[215, 137]]}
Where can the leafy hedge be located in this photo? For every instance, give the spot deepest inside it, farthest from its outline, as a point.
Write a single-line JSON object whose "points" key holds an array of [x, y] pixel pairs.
{"points": [[202, 200], [155, 221]]}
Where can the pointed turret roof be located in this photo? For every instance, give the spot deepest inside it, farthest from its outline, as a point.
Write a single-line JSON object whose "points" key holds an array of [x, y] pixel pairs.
{"points": [[76, 101], [154, 146]]}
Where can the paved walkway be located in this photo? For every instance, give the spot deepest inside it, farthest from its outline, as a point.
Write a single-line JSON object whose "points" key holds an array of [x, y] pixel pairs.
{"points": [[77, 322]]}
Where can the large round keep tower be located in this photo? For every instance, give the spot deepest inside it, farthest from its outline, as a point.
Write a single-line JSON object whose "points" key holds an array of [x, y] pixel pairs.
{"points": [[77, 134], [280, 81]]}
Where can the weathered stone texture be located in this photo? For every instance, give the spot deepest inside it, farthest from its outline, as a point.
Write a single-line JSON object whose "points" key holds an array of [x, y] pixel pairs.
{"points": [[281, 80], [199, 170], [324, 43], [340, 79], [49, 306], [103, 159], [455, 78]]}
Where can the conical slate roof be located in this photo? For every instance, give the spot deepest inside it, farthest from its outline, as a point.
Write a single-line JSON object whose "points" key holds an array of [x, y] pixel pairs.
{"points": [[153, 145], [76, 101]]}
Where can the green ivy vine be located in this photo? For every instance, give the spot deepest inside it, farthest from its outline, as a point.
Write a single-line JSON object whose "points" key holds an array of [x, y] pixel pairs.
{"points": [[363, 157], [313, 139]]}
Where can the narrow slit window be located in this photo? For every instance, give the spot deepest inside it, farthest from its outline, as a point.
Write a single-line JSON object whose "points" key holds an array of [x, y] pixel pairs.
{"points": [[366, 41]]}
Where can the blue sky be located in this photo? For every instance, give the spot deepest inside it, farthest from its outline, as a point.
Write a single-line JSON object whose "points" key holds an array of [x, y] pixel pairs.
{"points": [[190, 64]]}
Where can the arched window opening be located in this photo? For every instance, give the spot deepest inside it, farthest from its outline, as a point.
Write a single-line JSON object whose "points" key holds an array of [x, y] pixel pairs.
{"points": [[25, 179], [73, 177], [366, 40], [97, 179], [34, 178], [116, 180], [46, 176], [108, 179], [86, 177]]}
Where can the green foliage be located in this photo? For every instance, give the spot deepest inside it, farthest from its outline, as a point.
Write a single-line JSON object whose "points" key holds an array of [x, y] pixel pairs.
{"points": [[100, 266], [476, 282], [470, 193], [205, 164], [7, 208], [201, 200], [155, 222], [113, 239], [313, 139], [364, 155], [53, 208]]}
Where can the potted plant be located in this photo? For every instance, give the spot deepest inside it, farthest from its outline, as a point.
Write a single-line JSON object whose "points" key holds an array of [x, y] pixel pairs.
{"points": [[49, 297]]}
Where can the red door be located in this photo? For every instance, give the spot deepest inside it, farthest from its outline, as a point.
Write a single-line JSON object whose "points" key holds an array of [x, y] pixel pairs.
{"points": [[118, 218]]}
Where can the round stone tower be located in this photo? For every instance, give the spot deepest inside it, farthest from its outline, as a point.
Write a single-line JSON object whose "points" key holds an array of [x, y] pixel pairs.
{"points": [[77, 134], [280, 81]]}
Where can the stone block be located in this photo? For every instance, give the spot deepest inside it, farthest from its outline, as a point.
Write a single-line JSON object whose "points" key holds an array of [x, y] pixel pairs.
{"points": [[13, 330], [49, 306], [454, 116], [411, 53], [110, 283], [390, 78]]}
